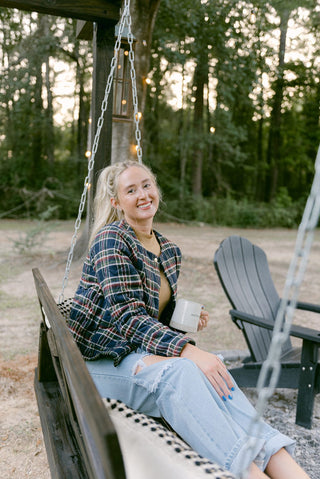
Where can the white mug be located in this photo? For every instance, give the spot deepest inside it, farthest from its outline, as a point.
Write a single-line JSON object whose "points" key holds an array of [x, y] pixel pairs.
{"points": [[186, 316]]}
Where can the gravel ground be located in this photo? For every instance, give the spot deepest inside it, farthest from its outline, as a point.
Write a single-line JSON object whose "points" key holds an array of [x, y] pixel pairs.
{"points": [[281, 414]]}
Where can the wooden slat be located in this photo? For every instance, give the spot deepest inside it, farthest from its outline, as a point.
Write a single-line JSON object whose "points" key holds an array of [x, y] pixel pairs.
{"points": [[45, 370], [235, 264], [92, 10], [253, 295], [98, 433], [61, 451], [223, 261], [256, 300]]}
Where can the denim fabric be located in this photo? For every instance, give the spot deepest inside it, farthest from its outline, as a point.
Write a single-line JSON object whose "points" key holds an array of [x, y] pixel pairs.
{"points": [[177, 390]]}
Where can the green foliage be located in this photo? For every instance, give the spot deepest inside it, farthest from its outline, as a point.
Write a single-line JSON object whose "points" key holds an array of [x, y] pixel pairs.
{"points": [[238, 160], [218, 48], [233, 213], [40, 166]]}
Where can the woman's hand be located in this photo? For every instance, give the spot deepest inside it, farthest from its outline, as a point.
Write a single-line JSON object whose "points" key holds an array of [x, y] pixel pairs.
{"points": [[212, 366], [203, 321]]}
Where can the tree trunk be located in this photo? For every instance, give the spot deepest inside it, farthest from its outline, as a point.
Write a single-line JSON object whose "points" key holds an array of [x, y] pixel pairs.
{"points": [[83, 118], [200, 80], [275, 137], [36, 170], [49, 117], [143, 14], [181, 135]]}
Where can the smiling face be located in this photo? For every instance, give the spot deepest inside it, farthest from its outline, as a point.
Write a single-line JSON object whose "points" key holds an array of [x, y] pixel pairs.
{"points": [[138, 197]]}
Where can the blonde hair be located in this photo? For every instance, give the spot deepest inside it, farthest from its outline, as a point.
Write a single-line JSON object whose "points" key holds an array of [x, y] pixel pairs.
{"points": [[107, 188]]}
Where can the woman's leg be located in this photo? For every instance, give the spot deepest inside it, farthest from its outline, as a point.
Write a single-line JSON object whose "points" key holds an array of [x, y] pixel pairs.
{"points": [[215, 428], [176, 389], [282, 465], [119, 382], [256, 473]]}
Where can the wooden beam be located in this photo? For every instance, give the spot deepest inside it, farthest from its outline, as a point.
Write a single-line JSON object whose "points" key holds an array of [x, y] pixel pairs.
{"points": [[103, 50], [92, 10], [84, 30]]}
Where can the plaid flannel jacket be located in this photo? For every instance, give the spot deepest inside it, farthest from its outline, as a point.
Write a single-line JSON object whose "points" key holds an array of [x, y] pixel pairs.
{"points": [[115, 308]]}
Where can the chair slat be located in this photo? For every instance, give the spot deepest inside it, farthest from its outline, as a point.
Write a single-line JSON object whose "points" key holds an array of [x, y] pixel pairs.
{"points": [[245, 276]]}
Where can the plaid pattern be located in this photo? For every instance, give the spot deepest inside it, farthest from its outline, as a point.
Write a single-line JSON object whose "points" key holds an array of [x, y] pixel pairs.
{"points": [[115, 308]]}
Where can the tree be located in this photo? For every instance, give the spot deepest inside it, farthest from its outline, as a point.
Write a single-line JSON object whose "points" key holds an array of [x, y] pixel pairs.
{"points": [[30, 43], [143, 14], [274, 143]]}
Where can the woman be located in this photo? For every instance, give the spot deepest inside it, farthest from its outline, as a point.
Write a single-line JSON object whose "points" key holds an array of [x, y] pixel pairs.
{"points": [[120, 321]]}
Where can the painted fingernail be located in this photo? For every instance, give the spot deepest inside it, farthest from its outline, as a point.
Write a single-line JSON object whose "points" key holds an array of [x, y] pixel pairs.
{"points": [[224, 398], [232, 389], [230, 397]]}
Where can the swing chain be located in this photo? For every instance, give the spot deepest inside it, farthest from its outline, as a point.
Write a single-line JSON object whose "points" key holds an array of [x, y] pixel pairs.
{"points": [[270, 370], [125, 18], [136, 114]]}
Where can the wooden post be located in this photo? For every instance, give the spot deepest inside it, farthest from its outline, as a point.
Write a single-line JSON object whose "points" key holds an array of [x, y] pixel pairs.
{"points": [[103, 48], [102, 34]]}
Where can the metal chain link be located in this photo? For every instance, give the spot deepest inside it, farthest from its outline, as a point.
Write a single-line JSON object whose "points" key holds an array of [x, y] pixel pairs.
{"points": [[270, 370], [125, 18], [136, 115]]}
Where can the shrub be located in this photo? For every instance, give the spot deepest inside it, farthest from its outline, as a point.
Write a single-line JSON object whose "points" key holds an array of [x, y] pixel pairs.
{"points": [[230, 212]]}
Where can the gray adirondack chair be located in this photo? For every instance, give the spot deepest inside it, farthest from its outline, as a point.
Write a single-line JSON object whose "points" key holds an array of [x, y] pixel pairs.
{"points": [[244, 273]]}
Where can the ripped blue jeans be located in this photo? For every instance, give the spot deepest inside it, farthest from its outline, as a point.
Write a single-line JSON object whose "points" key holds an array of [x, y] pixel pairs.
{"points": [[177, 390]]}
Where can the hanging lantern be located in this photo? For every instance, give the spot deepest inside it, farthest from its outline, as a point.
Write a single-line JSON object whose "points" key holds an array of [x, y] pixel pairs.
{"points": [[122, 87]]}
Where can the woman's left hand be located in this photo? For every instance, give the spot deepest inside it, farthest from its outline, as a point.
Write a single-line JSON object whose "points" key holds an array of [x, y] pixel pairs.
{"points": [[203, 321]]}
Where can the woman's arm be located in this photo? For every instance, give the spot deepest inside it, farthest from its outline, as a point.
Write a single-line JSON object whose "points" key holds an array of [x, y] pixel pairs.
{"points": [[212, 366]]}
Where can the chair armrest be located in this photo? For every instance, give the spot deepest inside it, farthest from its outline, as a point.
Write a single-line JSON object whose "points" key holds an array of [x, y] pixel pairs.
{"points": [[314, 308], [296, 331]]}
